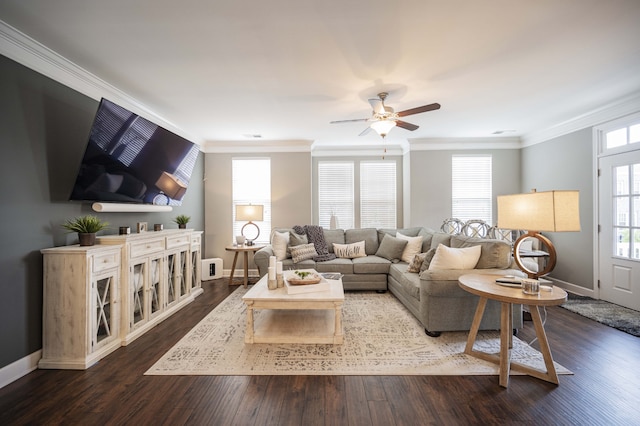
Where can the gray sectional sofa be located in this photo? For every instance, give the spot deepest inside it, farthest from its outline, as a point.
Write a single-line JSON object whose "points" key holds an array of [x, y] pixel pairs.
{"points": [[432, 296]]}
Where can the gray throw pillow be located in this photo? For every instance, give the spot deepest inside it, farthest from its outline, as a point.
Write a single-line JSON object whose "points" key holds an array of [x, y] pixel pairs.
{"points": [[391, 248]]}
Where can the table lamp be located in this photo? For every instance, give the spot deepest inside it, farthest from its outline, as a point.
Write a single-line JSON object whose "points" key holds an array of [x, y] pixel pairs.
{"points": [[171, 186], [249, 212], [549, 211]]}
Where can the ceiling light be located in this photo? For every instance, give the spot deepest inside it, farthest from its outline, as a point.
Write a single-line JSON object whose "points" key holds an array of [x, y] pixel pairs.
{"points": [[382, 127]]}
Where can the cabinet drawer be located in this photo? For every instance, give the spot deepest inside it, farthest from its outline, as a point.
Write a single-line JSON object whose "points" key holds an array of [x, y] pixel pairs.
{"points": [[195, 240], [106, 261], [146, 247], [178, 240]]}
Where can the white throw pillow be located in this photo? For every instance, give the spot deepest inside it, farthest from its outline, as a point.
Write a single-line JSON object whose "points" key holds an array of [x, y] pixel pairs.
{"points": [[455, 258], [349, 251], [279, 244], [413, 247]]}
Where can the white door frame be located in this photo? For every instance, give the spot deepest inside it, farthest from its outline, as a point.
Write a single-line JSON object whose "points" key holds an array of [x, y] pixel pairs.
{"points": [[599, 152]]}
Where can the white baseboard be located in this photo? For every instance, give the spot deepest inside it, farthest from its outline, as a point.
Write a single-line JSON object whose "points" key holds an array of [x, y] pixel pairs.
{"points": [[573, 288], [239, 273], [19, 368]]}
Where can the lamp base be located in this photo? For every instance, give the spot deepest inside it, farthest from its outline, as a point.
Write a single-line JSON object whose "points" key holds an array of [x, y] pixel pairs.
{"points": [[249, 241], [517, 255]]}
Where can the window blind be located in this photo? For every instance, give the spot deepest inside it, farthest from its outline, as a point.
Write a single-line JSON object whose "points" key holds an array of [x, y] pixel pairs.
{"points": [[336, 193], [378, 194], [251, 184], [471, 185]]}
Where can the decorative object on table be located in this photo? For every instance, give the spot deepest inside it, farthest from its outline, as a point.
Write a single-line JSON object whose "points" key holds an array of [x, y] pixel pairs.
{"points": [[158, 227], [182, 220], [250, 213], [333, 221], [304, 281], [240, 239], [86, 227], [303, 278], [530, 286], [142, 227], [279, 275], [124, 230], [534, 212], [272, 282]]}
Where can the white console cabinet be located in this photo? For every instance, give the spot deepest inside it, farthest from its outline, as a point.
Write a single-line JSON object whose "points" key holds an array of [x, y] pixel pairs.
{"points": [[101, 297]]}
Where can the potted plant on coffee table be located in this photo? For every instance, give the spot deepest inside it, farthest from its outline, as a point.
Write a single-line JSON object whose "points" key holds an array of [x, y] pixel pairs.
{"points": [[182, 221], [86, 227]]}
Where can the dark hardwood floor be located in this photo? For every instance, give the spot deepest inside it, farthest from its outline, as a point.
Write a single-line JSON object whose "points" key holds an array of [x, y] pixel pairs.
{"points": [[605, 389]]}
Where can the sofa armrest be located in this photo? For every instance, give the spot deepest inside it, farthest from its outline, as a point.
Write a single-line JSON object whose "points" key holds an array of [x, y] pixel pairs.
{"points": [[454, 274], [261, 259]]}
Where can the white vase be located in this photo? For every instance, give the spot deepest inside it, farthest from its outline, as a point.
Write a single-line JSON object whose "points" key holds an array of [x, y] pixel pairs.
{"points": [[333, 222]]}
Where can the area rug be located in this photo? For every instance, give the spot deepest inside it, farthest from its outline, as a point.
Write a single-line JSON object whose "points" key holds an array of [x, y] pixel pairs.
{"points": [[380, 338], [616, 316]]}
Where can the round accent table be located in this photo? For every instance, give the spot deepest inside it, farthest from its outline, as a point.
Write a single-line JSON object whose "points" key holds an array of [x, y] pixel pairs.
{"points": [[486, 288], [245, 250]]}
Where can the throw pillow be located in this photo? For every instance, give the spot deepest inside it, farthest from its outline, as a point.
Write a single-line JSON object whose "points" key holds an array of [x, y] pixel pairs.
{"points": [[455, 258], [296, 240], [350, 251], [279, 243], [416, 262], [303, 252], [427, 259], [413, 247], [391, 248]]}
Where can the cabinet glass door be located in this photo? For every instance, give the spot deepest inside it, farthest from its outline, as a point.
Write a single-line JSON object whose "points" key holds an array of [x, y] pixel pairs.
{"points": [[104, 311], [137, 295], [171, 281], [195, 268], [184, 272], [155, 275]]}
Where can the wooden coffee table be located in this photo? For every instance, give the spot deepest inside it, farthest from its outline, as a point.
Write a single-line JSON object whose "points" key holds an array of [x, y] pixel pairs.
{"points": [[294, 318], [485, 286]]}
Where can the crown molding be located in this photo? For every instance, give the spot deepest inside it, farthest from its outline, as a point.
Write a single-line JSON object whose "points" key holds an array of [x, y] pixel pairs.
{"points": [[619, 108], [439, 144], [261, 146], [32, 54]]}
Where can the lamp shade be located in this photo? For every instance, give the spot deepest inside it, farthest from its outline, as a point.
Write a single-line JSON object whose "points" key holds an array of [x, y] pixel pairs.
{"points": [[249, 212], [171, 186], [550, 211], [383, 127]]}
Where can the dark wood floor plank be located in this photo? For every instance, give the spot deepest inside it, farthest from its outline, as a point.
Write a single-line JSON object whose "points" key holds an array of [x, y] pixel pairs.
{"points": [[604, 389]]}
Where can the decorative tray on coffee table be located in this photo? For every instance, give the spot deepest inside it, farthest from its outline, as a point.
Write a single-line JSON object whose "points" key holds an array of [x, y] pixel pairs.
{"points": [[303, 277]]}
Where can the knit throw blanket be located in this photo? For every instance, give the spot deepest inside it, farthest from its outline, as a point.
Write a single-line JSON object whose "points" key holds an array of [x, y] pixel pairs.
{"points": [[315, 235]]}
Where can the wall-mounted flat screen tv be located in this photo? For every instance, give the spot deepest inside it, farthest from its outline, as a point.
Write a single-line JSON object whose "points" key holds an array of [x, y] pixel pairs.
{"points": [[129, 159]]}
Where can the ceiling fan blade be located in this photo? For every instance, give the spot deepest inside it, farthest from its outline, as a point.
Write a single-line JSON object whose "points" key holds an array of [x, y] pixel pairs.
{"points": [[365, 131], [377, 105], [348, 121], [418, 110], [406, 125]]}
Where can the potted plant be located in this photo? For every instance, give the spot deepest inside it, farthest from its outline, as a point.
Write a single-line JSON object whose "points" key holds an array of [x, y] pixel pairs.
{"points": [[86, 227], [182, 221]]}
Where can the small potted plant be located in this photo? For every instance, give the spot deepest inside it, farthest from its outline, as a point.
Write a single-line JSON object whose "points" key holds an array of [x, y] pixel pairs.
{"points": [[182, 221], [86, 227]]}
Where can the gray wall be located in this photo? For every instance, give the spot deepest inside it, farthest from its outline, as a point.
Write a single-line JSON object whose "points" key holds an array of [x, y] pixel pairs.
{"points": [[44, 128], [430, 177], [290, 197], [566, 162]]}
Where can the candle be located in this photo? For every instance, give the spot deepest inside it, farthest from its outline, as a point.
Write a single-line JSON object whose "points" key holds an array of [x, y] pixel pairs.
{"points": [[278, 267], [272, 273], [272, 261]]}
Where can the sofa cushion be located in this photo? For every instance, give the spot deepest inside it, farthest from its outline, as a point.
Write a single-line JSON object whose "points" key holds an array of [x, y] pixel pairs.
{"points": [[413, 247], [332, 236], [440, 238], [349, 251], [391, 248], [343, 266], [427, 236], [303, 252], [495, 253], [371, 265], [280, 242], [455, 258], [368, 235], [409, 282]]}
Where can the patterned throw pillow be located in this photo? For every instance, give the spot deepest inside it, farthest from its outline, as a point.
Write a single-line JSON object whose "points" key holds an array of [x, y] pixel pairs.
{"points": [[416, 262], [349, 251], [303, 252]]}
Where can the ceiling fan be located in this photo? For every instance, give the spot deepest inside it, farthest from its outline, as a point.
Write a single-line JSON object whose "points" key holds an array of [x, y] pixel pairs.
{"points": [[384, 118]]}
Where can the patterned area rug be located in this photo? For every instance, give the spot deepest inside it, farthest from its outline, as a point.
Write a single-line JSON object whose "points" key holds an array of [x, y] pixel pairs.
{"points": [[616, 316], [380, 338]]}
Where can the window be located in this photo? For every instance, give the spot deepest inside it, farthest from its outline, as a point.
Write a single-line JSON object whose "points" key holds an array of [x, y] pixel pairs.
{"points": [[471, 187], [626, 205], [251, 184], [623, 136], [359, 193]]}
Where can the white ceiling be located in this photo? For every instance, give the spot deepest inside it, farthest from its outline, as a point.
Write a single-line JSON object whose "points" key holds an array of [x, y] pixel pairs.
{"points": [[222, 70]]}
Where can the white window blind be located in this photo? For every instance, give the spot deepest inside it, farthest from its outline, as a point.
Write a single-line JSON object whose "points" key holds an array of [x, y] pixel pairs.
{"points": [[378, 194], [251, 181], [336, 193], [471, 188]]}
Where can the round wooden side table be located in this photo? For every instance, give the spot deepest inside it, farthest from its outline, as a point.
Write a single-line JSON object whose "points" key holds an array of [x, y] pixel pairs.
{"points": [[245, 250]]}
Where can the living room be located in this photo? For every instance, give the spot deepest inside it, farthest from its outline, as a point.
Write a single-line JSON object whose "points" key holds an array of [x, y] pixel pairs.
{"points": [[46, 115]]}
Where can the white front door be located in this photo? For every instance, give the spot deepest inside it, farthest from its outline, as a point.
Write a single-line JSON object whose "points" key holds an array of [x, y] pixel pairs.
{"points": [[619, 238]]}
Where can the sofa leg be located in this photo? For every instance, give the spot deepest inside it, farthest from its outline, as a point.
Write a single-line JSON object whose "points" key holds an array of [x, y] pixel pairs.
{"points": [[381, 291], [432, 333]]}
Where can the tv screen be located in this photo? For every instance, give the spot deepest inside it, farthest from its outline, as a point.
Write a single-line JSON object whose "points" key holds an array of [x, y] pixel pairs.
{"points": [[129, 159]]}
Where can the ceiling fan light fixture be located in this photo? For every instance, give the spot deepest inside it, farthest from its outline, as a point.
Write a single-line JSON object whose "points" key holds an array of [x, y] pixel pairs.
{"points": [[383, 127]]}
